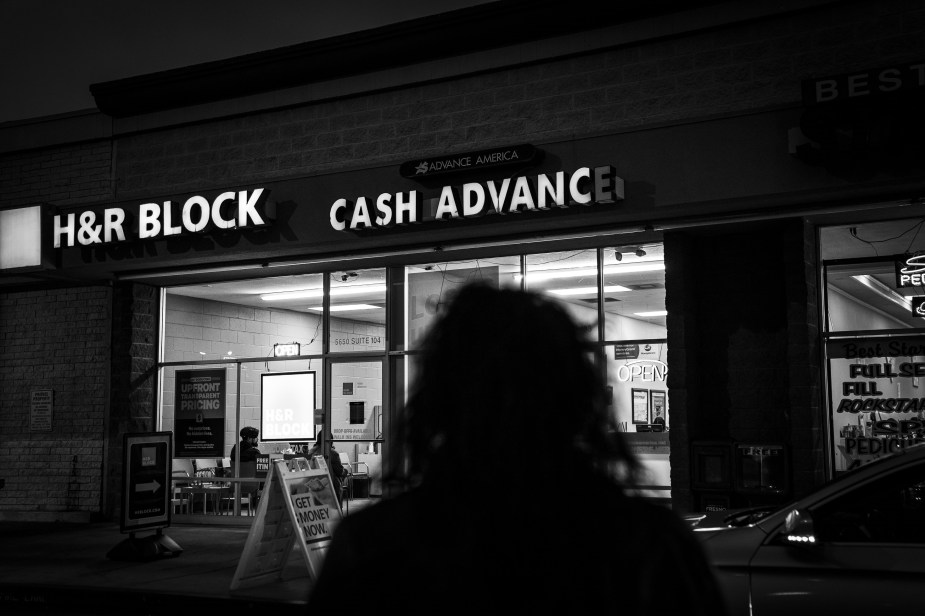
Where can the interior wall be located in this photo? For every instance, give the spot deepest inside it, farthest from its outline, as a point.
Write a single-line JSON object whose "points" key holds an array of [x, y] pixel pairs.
{"points": [[847, 314], [197, 330]]}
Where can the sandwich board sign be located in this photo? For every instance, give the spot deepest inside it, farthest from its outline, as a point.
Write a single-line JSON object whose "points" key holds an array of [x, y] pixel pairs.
{"points": [[146, 491], [298, 505], [146, 475]]}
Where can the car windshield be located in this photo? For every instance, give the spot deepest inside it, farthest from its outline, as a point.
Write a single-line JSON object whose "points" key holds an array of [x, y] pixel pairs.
{"points": [[754, 514], [750, 516]]}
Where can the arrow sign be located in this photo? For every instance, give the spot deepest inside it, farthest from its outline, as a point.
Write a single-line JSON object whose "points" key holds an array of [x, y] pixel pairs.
{"points": [[151, 486], [146, 480]]}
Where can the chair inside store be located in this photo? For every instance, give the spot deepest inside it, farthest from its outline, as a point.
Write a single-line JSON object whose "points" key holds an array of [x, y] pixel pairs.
{"points": [[356, 484], [249, 490], [182, 471], [207, 468], [180, 499]]}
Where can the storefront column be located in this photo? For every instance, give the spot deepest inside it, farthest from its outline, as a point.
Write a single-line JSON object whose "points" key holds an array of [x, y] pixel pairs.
{"points": [[133, 379], [744, 362]]}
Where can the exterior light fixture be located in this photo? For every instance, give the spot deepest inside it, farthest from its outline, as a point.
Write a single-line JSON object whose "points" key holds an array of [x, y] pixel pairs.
{"points": [[617, 255], [640, 252]]}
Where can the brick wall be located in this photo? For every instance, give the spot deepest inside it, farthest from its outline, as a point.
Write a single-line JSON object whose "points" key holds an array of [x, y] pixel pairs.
{"points": [[135, 316], [60, 175], [743, 346], [733, 69], [54, 339]]}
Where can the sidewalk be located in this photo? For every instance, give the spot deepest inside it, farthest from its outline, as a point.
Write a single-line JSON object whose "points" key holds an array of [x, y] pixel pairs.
{"points": [[62, 568]]}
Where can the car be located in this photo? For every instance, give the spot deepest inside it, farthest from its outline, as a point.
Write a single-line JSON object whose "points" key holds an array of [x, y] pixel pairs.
{"points": [[854, 546]]}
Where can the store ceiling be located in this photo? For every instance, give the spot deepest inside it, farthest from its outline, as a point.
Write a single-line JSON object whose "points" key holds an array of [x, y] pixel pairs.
{"points": [[629, 291], [872, 283]]}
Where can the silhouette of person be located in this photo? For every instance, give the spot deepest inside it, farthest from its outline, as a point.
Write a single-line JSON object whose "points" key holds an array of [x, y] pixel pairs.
{"points": [[249, 448], [335, 466], [517, 480]]}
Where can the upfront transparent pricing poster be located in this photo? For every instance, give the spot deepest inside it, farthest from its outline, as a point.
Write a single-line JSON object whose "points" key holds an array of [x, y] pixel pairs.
{"points": [[877, 397], [200, 413]]}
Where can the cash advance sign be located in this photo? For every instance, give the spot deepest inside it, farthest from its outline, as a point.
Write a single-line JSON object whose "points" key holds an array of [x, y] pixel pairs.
{"points": [[585, 186]]}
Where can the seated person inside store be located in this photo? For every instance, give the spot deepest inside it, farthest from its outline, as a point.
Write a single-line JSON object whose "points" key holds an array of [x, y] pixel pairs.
{"points": [[249, 449], [249, 453], [338, 472]]}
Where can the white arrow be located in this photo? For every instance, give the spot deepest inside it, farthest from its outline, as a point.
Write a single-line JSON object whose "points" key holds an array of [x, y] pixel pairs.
{"points": [[153, 486]]}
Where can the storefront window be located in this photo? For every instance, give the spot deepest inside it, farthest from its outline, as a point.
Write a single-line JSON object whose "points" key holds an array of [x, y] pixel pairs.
{"points": [[874, 339], [357, 310], [569, 277], [252, 353], [429, 287]]}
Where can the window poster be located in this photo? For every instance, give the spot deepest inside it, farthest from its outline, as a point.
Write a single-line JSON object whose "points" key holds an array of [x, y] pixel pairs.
{"points": [[876, 397], [640, 398], [199, 425], [659, 400]]}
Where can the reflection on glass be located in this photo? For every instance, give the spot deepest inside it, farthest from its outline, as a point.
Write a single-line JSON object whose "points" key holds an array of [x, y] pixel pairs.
{"points": [[244, 318], [569, 277], [866, 296], [634, 292], [431, 286], [357, 310], [356, 400]]}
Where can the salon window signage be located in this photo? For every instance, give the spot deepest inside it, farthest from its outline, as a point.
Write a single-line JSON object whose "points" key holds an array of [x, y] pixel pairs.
{"points": [[918, 307], [240, 210], [469, 161], [877, 396], [585, 186], [864, 83], [910, 270]]}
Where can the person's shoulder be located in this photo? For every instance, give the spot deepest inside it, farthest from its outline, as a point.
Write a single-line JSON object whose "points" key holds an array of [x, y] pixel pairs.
{"points": [[399, 514]]}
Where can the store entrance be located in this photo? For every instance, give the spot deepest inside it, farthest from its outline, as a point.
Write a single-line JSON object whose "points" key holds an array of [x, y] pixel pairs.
{"points": [[354, 421]]}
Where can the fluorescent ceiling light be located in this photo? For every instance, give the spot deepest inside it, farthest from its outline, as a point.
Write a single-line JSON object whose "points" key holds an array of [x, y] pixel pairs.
{"points": [[609, 270], [302, 294], [884, 291], [652, 313], [357, 289], [587, 290], [346, 307]]}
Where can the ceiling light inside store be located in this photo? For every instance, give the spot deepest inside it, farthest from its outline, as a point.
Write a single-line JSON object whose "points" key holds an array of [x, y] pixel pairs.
{"points": [[653, 313], [587, 290], [301, 294], [884, 291], [358, 289], [609, 270], [345, 307]]}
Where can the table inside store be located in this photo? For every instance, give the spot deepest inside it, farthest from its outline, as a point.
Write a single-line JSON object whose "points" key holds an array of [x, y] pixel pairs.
{"points": [[211, 493]]}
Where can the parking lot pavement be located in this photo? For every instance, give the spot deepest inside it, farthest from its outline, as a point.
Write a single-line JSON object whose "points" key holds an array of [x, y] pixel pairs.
{"points": [[63, 568]]}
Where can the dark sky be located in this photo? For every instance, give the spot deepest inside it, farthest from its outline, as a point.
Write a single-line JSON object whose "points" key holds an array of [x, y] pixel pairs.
{"points": [[52, 50]]}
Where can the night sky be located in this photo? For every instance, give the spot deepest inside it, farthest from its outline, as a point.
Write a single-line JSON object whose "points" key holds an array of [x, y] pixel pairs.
{"points": [[52, 50]]}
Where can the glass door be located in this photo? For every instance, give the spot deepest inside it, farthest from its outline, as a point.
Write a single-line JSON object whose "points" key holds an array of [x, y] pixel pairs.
{"points": [[355, 421]]}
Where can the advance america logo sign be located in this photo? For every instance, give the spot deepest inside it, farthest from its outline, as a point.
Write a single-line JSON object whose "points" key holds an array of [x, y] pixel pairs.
{"points": [[470, 161]]}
